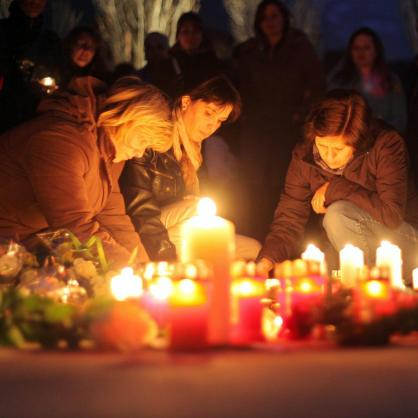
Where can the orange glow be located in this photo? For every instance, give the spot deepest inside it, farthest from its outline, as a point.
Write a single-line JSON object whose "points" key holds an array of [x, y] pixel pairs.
{"points": [[188, 292], [162, 288], [248, 288], [206, 207], [126, 285], [271, 324], [306, 285], [376, 289]]}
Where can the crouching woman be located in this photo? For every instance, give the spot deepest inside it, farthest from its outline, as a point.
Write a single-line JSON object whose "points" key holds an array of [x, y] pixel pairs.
{"points": [[61, 169], [353, 170], [161, 189]]}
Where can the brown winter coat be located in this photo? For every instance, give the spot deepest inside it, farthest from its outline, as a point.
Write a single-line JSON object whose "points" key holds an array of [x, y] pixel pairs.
{"points": [[375, 180], [276, 88], [56, 171]]}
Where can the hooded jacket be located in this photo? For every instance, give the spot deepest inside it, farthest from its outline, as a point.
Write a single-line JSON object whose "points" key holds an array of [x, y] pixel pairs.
{"points": [[375, 180], [56, 171]]}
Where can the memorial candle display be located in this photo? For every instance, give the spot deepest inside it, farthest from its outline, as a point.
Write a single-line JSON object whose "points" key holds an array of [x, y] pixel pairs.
{"points": [[351, 263], [189, 313], [212, 239], [389, 256]]}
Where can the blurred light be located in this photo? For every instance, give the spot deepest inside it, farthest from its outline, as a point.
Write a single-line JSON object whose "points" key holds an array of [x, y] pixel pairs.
{"points": [[206, 207]]}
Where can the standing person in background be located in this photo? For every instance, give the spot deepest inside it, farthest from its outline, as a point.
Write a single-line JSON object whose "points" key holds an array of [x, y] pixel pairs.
{"points": [[364, 69], [162, 70], [278, 74], [161, 189], [28, 54], [192, 59], [82, 55]]}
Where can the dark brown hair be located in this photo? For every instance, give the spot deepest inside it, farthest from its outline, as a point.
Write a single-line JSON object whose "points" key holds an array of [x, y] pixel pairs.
{"points": [[218, 90], [349, 72], [341, 113], [259, 16]]}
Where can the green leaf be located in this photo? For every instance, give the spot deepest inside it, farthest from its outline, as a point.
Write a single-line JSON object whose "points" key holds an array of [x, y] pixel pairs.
{"points": [[59, 313]]}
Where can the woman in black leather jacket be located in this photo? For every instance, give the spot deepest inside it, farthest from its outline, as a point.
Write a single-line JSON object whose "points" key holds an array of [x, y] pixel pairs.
{"points": [[161, 189]]}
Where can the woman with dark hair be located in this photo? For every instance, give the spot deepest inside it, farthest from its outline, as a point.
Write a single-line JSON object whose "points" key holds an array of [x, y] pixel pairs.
{"points": [[160, 189], [364, 69], [353, 169], [278, 75], [82, 55]]}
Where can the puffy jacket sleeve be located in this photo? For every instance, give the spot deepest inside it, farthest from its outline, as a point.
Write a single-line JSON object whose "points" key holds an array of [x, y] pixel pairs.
{"points": [[113, 217], [387, 202], [56, 168], [144, 210], [290, 217]]}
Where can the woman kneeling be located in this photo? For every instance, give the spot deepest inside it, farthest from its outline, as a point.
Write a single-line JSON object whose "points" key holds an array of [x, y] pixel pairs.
{"points": [[353, 170]]}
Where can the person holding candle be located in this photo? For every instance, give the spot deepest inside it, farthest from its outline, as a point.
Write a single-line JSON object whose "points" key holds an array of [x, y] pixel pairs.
{"points": [[352, 169], [160, 189], [61, 169]]}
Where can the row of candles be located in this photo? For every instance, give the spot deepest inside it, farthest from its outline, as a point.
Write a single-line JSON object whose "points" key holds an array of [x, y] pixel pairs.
{"points": [[219, 301]]}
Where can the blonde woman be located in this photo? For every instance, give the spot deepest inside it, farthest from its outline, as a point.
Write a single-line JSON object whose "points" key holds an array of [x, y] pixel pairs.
{"points": [[61, 169], [160, 189]]}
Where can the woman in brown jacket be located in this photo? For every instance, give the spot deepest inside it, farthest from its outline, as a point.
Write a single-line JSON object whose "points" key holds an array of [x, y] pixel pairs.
{"points": [[352, 169], [61, 169]]}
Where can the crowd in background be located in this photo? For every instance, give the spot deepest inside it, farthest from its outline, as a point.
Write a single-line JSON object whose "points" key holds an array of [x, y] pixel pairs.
{"points": [[277, 73]]}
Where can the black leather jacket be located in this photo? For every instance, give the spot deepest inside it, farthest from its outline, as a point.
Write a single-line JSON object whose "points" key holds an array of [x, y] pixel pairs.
{"points": [[148, 183]]}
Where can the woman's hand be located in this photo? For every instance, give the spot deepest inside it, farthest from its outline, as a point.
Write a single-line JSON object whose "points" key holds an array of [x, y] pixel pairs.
{"points": [[318, 200], [264, 266]]}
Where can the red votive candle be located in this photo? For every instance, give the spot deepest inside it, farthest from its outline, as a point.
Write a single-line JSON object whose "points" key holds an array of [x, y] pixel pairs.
{"points": [[247, 309], [189, 315]]}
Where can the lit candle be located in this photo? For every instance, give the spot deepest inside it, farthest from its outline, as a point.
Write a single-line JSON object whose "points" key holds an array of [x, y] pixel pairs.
{"points": [[351, 262], [247, 310], [189, 312], [389, 256], [415, 279], [313, 253], [211, 238], [126, 285], [373, 299], [155, 300]]}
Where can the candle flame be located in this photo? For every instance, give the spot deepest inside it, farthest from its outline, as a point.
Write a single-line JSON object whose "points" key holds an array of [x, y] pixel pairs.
{"points": [[376, 289], [187, 286], [313, 253], [47, 81], [126, 285], [206, 207], [162, 288]]}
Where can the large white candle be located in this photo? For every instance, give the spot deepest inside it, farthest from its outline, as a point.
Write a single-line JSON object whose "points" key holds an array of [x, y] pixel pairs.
{"points": [[351, 261], [211, 238], [389, 256]]}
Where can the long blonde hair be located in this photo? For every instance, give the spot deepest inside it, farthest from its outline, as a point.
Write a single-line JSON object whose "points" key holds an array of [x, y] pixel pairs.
{"points": [[218, 90], [133, 106]]}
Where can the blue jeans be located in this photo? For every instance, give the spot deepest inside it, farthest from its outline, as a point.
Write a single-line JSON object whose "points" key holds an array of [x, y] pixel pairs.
{"points": [[345, 223]]}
